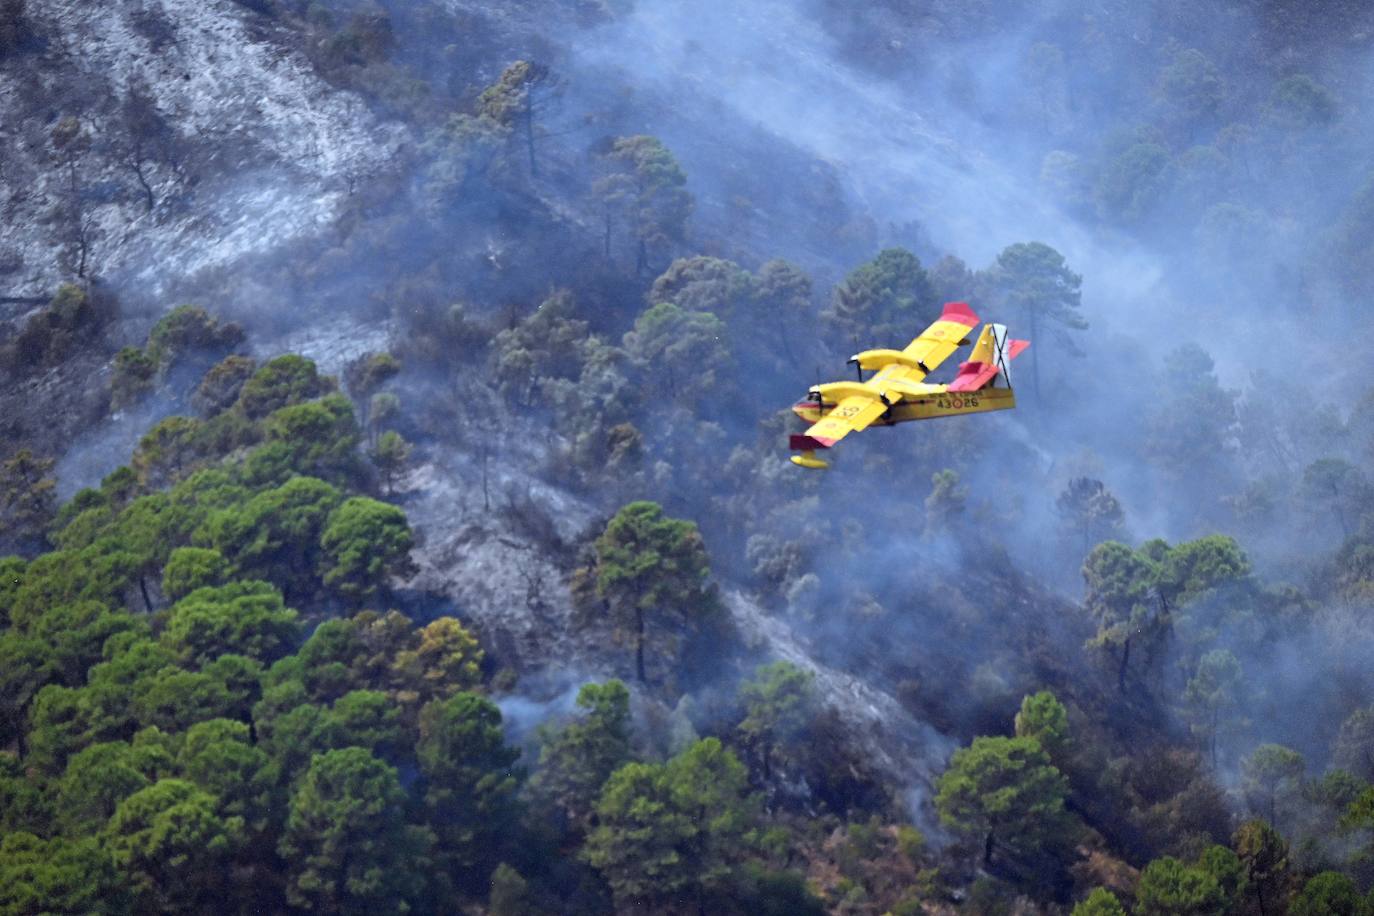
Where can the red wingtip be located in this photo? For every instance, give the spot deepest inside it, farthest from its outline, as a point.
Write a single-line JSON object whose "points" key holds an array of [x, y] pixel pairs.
{"points": [[802, 443], [1014, 348], [961, 313]]}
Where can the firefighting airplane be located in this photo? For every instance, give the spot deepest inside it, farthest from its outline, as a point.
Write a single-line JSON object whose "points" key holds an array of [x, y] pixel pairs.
{"points": [[897, 391]]}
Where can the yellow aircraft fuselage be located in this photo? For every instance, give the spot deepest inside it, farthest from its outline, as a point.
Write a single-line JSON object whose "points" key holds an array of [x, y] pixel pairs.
{"points": [[943, 404]]}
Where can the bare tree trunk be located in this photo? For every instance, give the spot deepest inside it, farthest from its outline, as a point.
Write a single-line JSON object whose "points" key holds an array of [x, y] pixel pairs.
{"points": [[143, 183], [639, 644], [1215, 712], [1125, 661], [486, 490], [529, 131]]}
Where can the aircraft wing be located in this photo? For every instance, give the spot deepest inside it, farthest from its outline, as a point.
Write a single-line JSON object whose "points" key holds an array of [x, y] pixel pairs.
{"points": [[852, 414], [941, 339]]}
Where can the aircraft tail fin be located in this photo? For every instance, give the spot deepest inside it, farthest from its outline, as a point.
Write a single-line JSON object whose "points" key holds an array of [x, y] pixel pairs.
{"points": [[984, 351], [990, 356]]}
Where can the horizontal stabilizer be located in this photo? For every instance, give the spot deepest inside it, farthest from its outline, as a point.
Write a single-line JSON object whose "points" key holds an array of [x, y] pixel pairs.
{"points": [[973, 376], [979, 372]]}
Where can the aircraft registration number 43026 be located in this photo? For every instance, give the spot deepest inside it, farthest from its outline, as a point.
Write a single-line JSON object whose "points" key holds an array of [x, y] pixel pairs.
{"points": [[956, 403]]}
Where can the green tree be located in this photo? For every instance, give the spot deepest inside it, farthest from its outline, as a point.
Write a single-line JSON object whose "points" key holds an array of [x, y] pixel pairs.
{"points": [[280, 382], [12, 570], [577, 759], [435, 662], [1007, 794], [1212, 692], [1169, 888], [1195, 567], [96, 780], [1264, 854], [1193, 456], [245, 618], [1089, 509], [26, 799], [510, 893], [369, 719], [65, 720], [364, 543], [1192, 87], [1270, 772], [173, 847], [1101, 902], [470, 783], [132, 377], [187, 330], [674, 831], [59, 875], [1121, 596], [26, 665], [276, 534], [346, 842], [191, 568], [1033, 281], [319, 438], [782, 304], [1299, 102], [1360, 812], [221, 386], [241, 678], [946, 503], [1354, 571], [687, 350], [28, 498], [547, 344], [129, 659], [886, 301], [101, 573], [1354, 746], [1045, 719], [75, 634], [219, 756], [1329, 893], [649, 567], [1354, 245], [174, 700], [1228, 871], [364, 375], [72, 317], [515, 100], [1045, 73], [169, 451], [779, 703], [1335, 488], [704, 284], [644, 186], [390, 457], [1133, 184]]}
